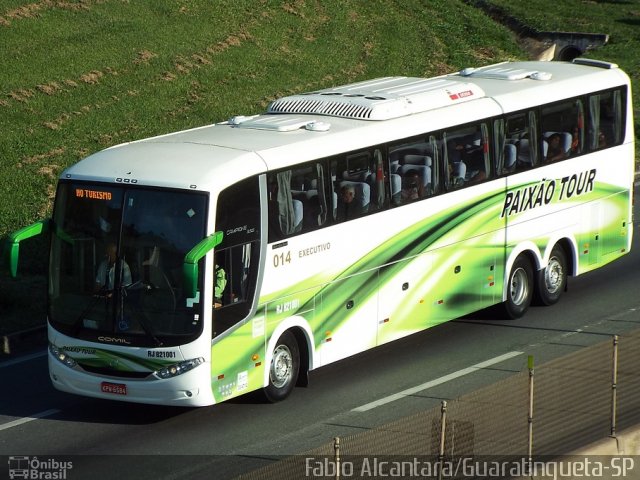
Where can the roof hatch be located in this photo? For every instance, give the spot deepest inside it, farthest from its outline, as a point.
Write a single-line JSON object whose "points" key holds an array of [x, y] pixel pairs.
{"points": [[279, 124], [379, 99], [504, 72]]}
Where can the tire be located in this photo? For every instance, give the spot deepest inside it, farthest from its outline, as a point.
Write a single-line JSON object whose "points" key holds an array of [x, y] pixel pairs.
{"points": [[519, 288], [284, 368], [552, 280]]}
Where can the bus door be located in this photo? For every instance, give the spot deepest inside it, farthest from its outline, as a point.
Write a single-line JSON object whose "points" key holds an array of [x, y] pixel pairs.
{"points": [[234, 281]]}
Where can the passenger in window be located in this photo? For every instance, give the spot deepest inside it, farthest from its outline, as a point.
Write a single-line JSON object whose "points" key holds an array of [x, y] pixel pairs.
{"points": [[220, 321], [602, 140], [347, 206], [457, 166], [220, 285], [555, 152], [468, 165], [412, 188]]}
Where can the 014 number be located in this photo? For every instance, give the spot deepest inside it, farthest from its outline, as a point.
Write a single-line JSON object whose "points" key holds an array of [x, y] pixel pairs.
{"points": [[281, 259]]}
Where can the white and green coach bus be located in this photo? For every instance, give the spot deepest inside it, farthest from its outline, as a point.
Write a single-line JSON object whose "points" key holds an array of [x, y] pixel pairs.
{"points": [[197, 266]]}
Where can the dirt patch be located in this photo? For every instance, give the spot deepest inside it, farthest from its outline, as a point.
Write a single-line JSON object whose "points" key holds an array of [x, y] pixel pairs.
{"points": [[293, 10], [50, 88], [21, 95], [231, 41], [144, 57], [185, 65], [92, 77], [34, 10], [50, 171], [168, 76], [55, 87], [58, 122], [31, 10], [56, 152]]}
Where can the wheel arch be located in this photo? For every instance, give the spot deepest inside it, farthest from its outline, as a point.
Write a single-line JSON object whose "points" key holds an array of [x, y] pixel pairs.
{"points": [[303, 334]]}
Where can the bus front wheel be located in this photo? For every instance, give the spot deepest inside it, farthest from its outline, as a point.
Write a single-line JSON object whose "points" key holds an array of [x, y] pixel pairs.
{"points": [[519, 288], [552, 280], [284, 367]]}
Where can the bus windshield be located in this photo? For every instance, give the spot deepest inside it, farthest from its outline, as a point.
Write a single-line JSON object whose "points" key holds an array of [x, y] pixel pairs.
{"points": [[116, 263]]}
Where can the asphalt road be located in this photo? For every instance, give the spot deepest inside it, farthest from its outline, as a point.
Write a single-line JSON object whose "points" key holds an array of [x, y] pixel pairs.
{"points": [[136, 441]]}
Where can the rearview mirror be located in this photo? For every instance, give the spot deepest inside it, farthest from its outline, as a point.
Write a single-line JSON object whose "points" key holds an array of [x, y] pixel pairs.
{"points": [[191, 259], [13, 242]]}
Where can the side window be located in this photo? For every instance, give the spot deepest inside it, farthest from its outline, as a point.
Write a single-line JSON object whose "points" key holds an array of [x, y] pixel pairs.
{"points": [[520, 131], [413, 170], [562, 127], [606, 119], [359, 184], [466, 153], [236, 258], [297, 200]]}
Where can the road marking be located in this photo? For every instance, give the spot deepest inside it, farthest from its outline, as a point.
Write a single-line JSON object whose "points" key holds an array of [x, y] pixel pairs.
{"points": [[24, 358], [35, 416], [437, 381]]}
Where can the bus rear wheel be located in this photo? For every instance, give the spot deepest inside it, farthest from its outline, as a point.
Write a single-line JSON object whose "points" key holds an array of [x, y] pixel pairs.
{"points": [[519, 288], [552, 280], [284, 368]]}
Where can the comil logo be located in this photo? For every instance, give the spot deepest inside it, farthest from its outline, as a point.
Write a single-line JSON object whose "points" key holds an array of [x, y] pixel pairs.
{"points": [[38, 469]]}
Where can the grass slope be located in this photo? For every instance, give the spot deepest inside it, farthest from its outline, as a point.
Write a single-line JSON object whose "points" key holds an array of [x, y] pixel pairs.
{"points": [[79, 77]]}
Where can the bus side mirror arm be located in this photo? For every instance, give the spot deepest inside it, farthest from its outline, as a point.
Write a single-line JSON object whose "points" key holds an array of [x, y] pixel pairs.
{"points": [[191, 259], [13, 242]]}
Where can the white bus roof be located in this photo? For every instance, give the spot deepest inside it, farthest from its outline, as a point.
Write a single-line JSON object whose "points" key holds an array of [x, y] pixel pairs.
{"points": [[334, 120]]}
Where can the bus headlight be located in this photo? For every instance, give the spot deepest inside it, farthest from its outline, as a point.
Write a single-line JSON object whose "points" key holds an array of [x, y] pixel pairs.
{"points": [[178, 368], [62, 356]]}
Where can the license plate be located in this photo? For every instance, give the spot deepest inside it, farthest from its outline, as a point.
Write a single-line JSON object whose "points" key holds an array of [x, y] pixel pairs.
{"points": [[115, 388]]}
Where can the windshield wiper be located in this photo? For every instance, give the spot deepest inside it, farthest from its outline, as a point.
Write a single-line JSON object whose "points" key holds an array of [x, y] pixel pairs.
{"points": [[140, 316], [94, 299]]}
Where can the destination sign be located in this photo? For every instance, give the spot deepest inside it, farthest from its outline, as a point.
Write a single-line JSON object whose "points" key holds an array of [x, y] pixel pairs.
{"points": [[93, 194]]}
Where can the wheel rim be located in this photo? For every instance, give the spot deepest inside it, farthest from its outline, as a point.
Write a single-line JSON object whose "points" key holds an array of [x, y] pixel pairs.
{"points": [[553, 275], [519, 286], [281, 366]]}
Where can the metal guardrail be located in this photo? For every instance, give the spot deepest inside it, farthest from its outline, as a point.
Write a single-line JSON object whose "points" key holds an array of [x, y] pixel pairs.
{"points": [[554, 410]]}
